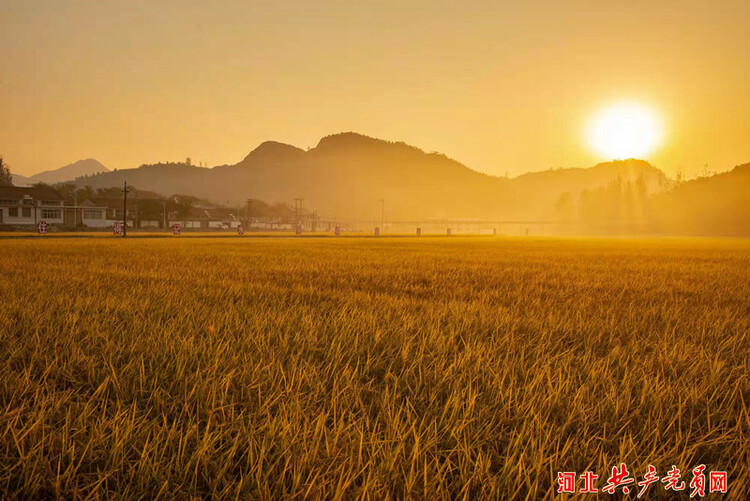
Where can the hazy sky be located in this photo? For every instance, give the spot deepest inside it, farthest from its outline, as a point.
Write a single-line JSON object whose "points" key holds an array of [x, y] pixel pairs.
{"points": [[500, 86]]}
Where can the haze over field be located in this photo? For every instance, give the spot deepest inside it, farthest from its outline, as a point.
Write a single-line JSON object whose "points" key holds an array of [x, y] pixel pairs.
{"points": [[349, 177], [346, 176]]}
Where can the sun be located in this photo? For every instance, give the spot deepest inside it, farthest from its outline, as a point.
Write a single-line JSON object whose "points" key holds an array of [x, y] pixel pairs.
{"points": [[625, 129]]}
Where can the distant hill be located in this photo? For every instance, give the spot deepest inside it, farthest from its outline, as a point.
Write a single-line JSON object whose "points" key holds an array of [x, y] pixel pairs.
{"points": [[347, 174], [543, 187], [718, 204], [577, 179], [70, 172]]}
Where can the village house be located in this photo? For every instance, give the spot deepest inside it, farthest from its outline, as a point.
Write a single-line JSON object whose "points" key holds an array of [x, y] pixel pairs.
{"points": [[149, 210], [26, 206], [21, 206], [90, 216], [193, 213], [145, 208]]}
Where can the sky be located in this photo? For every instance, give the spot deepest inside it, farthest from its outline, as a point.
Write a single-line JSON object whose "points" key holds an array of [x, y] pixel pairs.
{"points": [[503, 87]]}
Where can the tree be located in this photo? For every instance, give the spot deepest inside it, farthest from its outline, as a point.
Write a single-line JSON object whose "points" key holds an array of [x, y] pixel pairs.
{"points": [[5, 178], [182, 206]]}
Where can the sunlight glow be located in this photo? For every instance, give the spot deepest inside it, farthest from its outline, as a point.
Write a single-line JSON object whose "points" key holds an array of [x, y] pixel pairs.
{"points": [[624, 130]]}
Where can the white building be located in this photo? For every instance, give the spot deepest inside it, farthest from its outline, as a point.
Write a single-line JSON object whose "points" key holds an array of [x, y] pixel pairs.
{"points": [[204, 218], [27, 206], [22, 206], [92, 216]]}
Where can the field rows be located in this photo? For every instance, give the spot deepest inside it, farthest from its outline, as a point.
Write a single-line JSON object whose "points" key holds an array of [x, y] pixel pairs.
{"points": [[381, 368]]}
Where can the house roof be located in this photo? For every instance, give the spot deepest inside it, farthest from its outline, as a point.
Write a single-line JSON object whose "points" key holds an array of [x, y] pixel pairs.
{"points": [[36, 192]]}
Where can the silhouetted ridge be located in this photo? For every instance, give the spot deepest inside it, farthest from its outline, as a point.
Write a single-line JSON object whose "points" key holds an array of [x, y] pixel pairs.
{"points": [[273, 150], [347, 141], [630, 163], [742, 170], [347, 174], [86, 167], [615, 166]]}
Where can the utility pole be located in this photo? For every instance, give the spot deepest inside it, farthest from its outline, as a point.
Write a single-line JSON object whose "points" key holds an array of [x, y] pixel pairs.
{"points": [[382, 214], [164, 213], [135, 223], [248, 211], [298, 209], [125, 210]]}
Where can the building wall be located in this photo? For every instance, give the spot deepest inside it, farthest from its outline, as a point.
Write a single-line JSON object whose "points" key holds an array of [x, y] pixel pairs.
{"points": [[46, 214], [20, 219], [201, 224], [42, 214], [186, 224], [96, 223], [94, 218], [269, 225]]}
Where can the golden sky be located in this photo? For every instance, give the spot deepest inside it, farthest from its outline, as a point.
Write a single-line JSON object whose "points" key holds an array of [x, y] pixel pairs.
{"points": [[500, 86]]}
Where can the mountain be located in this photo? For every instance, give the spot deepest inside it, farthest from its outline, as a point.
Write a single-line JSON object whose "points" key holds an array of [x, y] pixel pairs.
{"points": [[714, 205], [70, 172], [543, 187], [578, 179], [346, 175]]}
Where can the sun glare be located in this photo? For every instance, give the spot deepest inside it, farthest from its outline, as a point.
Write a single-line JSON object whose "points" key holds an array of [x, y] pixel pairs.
{"points": [[624, 130]]}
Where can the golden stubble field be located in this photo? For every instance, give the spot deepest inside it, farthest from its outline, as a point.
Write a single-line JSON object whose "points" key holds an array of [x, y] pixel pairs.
{"points": [[382, 368]]}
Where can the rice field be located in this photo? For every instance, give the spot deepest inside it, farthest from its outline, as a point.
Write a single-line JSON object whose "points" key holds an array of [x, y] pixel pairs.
{"points": [[376, 368]]}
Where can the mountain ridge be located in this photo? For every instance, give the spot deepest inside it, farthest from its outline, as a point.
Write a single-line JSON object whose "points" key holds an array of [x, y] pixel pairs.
{"points": [[346, 174], [83, 167]]}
